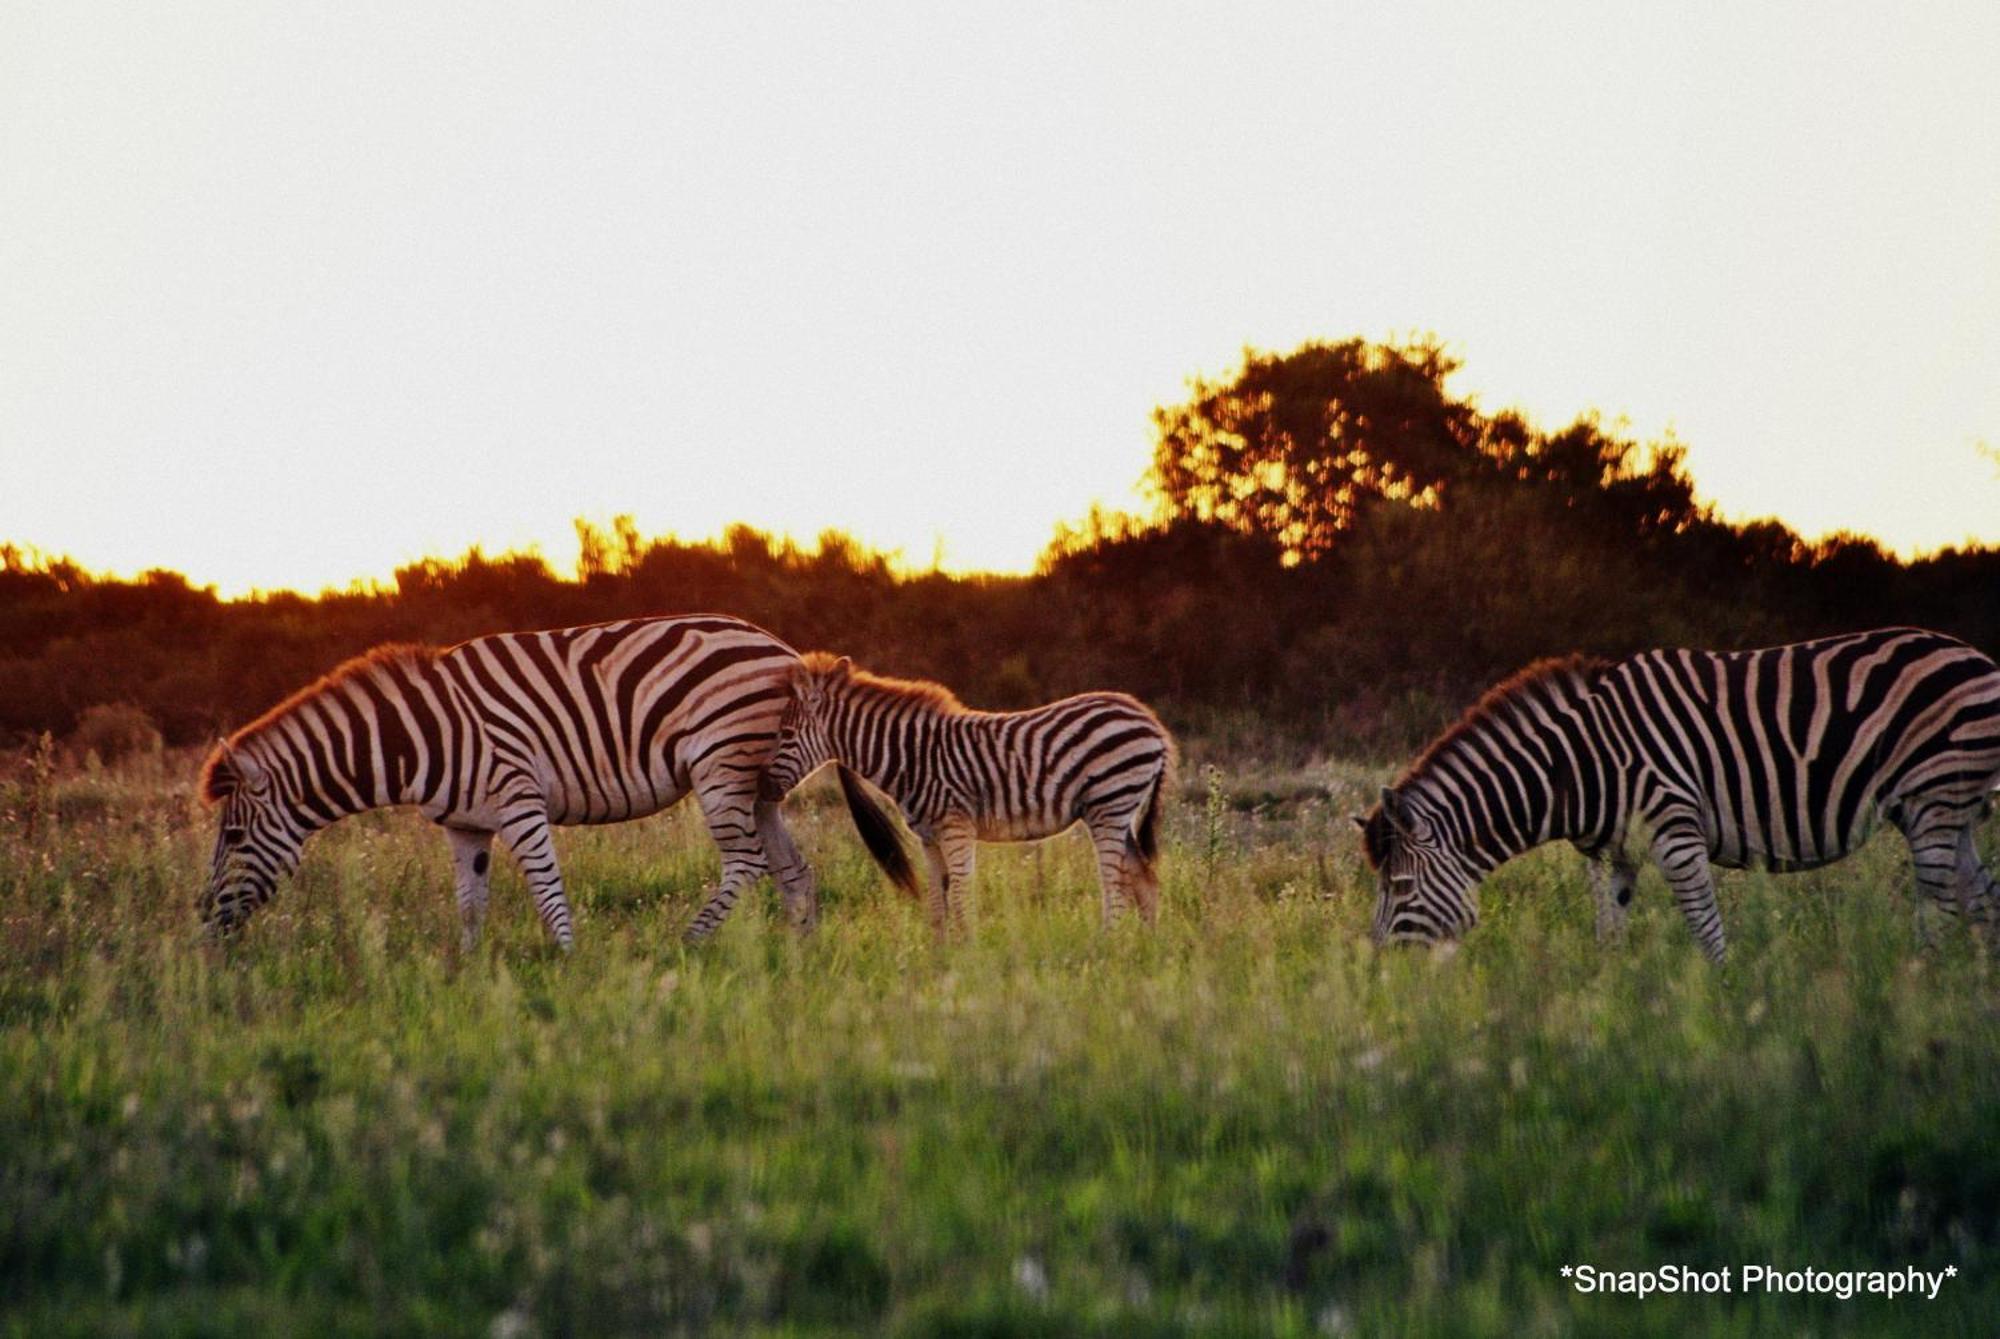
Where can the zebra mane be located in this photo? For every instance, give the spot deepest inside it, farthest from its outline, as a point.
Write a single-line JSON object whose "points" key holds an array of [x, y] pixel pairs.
{"points": [[1559, 677], [218, 776], [923, 692]]}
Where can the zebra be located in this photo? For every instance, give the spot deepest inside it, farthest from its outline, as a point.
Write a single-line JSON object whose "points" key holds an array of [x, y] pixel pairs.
{"points": [[503, 736], [961, 776], [1784, 758]]}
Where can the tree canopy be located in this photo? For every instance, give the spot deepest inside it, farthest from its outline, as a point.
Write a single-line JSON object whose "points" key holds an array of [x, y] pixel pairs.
{"points": [[1296, 448]]}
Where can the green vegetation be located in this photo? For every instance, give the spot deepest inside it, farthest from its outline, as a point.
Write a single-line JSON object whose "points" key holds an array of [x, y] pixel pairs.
{"points": [[1244, 1122]]}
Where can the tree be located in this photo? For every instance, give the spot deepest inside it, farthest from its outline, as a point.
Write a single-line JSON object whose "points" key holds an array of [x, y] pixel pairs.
{"points": [[1602, 481], [1294, 446]]}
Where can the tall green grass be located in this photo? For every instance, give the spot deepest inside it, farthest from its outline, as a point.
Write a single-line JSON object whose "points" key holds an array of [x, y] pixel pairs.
{"points": [[1244, 1121]]}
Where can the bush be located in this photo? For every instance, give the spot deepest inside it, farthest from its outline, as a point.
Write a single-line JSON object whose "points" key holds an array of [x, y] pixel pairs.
{"points": [[115, 731]]}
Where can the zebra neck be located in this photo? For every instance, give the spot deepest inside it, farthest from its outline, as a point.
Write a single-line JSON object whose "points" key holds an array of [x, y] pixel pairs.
{"points": [[1481, 838], [888, 748], [343, 777], [1495, 816]]}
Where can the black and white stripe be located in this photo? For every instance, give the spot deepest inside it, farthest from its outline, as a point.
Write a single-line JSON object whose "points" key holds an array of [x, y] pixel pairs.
{"points": [[503, 736], [963, 776], [1783, 758]]}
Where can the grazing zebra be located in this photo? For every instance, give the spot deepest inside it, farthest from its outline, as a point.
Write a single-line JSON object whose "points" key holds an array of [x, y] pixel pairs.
{"points": [[1782, 758], [508, 734], [962, 776]]}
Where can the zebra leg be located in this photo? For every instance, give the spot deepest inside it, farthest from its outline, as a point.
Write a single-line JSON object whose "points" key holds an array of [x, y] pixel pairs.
{"points": [[728, 803], [525, 832], [937, 890], [1978, 892], [472, 868], [1681, 852], [961, 848], [788, 867], [1114, 876], [950, 847], [1144, 888], [1142, 879], [1943, 856]]}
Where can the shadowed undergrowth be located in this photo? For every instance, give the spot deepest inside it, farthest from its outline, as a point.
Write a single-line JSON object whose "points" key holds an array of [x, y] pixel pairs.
{"points": [[1243, 1122]]}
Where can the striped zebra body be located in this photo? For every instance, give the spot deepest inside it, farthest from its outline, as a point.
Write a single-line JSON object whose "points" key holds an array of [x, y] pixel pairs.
{"points": [[503, 736], [1784, 758], [963, 776]]}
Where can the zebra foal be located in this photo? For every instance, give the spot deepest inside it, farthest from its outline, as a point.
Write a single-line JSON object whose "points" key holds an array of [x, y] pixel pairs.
{"points": [[1784, 758], [506, 735], [962, 776]]}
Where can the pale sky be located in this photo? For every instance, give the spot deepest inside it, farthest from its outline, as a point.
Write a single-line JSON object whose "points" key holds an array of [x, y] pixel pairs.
{"points": [[295, 293]]}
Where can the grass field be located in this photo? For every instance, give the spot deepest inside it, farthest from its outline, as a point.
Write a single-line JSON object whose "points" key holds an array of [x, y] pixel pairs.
{"points": [[1245, 1121]]}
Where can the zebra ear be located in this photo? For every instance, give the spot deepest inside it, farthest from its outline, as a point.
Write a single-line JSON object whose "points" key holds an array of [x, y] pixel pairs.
{"points": [[219, 777], [843, 668], [1360, 821], [246, 769], [1395, 810], [251, 769]]}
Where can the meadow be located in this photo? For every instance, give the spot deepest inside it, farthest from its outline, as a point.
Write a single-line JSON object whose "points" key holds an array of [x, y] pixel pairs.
{"points": [[1245, 1121]]}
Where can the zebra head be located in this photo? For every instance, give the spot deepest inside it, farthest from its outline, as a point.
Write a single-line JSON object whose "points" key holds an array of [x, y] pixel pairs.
{"points": [[1424, 893], [257, 839], [805, 740]]}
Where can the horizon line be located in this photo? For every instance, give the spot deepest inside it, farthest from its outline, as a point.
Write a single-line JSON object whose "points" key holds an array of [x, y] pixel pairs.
{"points": [[780, 541]]}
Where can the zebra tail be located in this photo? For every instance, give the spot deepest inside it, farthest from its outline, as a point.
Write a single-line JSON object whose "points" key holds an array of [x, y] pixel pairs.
{"points": [[1145, 837], [878, 833]]}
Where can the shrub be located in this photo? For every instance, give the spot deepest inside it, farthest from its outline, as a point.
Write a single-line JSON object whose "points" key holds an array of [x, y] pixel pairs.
{"points": [[114, 731]]}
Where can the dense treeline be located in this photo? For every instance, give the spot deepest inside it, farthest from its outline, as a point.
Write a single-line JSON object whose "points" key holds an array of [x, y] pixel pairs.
{"points": [[1345, 549]]}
